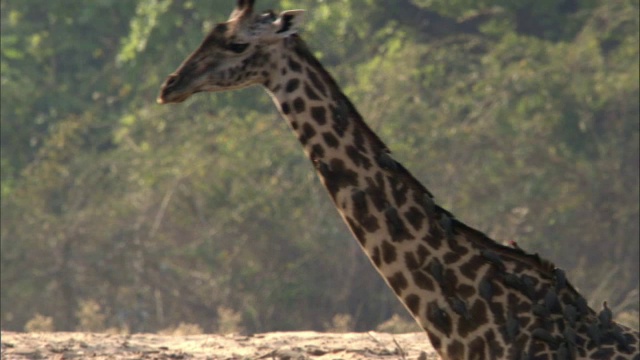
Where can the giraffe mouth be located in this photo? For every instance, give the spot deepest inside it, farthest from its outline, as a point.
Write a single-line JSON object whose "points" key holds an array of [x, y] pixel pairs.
{"points": [[167, 97], [164, 99], [175, 90]]}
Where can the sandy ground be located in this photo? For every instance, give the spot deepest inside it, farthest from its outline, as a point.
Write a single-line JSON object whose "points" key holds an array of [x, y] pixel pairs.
{"points": [[281, 346]]}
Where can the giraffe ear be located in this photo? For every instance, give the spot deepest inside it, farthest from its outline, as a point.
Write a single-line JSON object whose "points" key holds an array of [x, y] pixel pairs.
{"points": [[243, 8], [245, 5], [288, 22]]}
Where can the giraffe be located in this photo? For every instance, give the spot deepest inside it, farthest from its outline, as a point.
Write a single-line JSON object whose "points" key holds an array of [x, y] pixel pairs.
{"points": [[475, 298]]}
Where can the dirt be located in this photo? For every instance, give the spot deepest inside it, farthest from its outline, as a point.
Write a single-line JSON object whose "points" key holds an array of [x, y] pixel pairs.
{"points": [[277, 345]]}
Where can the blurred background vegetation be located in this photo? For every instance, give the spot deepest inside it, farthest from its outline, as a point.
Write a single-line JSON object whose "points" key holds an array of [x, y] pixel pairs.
{"points": [[522, 117]]}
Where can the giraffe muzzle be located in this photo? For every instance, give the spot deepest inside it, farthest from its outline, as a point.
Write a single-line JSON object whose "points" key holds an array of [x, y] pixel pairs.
{"points": [[172, 90]]}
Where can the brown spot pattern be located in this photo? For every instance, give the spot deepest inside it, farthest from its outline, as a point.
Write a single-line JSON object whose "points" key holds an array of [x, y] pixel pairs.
{"points": [[450, 280], [375, 257], [455, 246], [299, 105], [440, 320], [358, 159], [478, 317], [338, 176], [315, 81], [477, 349], [388, 252], [330, 140], [415, 217], [455, 350], [451, 258], [317, 152], [357, 231], [361, 212], [433, 239], [396, 227], [421, 280], [359, 140], [307, 133], [435, 340], [310, 93], [285, 108], [292, 85], [413, 303], [423, 254], [398, 282], [340, 122], [399, 191], [495, 350], [375, 190], [466, 291], [318, 113], [410, 261], [294, 65], [471, 267]]}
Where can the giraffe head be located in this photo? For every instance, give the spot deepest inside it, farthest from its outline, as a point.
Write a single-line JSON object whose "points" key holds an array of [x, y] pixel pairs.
{"points": [[235, 54]]}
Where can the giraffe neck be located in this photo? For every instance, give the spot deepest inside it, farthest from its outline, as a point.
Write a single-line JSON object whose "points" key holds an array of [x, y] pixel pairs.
{"points": [[471, 295], [391, 215]]}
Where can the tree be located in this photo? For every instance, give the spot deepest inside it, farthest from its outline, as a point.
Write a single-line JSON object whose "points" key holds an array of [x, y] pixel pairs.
{"points": [[161, 215]]}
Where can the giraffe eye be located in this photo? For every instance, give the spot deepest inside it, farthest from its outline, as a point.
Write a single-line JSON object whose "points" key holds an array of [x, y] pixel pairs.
{"points": [[237, 47]]}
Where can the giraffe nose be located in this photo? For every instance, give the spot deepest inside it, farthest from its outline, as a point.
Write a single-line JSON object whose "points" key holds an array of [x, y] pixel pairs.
{"points": [[171, 81], [168, 88]]}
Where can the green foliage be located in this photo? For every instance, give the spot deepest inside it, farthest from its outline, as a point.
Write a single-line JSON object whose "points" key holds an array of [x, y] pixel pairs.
{"points": [[228, 321], [146, 19], [119, 213], [341, 323], [398, 325], [90, 316], [39, 323], [183, 329]]}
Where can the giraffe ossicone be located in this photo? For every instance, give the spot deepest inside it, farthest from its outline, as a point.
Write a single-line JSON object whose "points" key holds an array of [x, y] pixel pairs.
{"points": [[475, 298]]}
